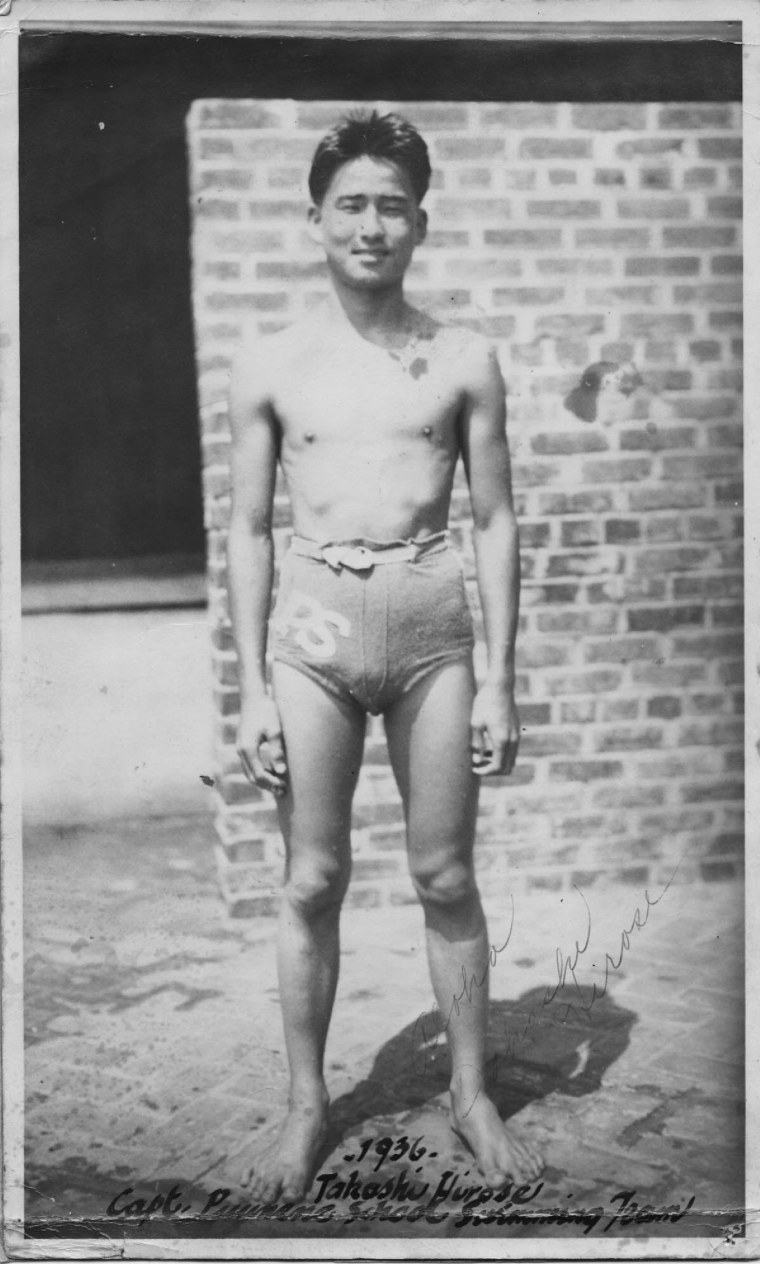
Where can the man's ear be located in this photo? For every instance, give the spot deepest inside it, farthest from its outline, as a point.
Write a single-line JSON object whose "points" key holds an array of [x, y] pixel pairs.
{"points": [[314, 223], [422, 226]]}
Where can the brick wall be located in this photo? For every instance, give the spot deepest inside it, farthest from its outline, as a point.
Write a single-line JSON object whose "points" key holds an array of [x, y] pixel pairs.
{"points": [[569, 234]]}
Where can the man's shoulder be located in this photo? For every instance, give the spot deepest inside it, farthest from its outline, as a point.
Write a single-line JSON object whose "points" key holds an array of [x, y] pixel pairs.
{"points": [[264, 360], [275, 344], [468, 352], [453, 336]]}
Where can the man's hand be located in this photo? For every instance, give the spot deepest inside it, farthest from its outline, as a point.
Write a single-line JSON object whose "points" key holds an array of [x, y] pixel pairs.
{"points": [[495, 730], [260, 745]]}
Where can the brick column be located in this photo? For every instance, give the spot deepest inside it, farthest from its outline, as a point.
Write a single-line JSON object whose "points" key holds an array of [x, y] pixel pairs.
{"points": [[568, 234]]}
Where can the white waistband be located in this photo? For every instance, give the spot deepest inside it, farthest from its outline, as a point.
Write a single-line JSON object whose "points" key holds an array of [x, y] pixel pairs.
{"points": [[360, 555]]}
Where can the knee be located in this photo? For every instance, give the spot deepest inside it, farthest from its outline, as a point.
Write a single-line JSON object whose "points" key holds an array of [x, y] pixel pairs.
{"points": [[315, 889], [449, 883]]}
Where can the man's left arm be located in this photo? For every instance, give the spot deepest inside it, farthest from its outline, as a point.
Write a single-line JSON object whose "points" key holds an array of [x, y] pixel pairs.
{"points": [[495, 721]]}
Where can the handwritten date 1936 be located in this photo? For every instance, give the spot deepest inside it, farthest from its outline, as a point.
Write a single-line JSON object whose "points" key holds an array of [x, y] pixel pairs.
{"points": [[391, 1148]]}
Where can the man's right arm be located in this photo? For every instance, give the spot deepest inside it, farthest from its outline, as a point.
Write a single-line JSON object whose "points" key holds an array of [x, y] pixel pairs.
{"points": [[250, 563]]}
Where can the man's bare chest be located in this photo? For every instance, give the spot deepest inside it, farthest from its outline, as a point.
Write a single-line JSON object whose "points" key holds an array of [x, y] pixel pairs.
{"points": [[372, 398]]}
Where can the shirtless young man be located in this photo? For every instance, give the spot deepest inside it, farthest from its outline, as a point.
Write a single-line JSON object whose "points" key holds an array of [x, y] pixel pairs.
{"points": [[367, 404]]}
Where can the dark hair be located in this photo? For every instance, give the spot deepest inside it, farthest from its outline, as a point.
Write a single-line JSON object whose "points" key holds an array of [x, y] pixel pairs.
{"points": [[372, 135]]}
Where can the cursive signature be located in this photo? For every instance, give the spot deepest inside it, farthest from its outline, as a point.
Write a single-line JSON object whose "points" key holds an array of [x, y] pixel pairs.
{"points": [[351, 1199], [566, 964], [424, 1042]]}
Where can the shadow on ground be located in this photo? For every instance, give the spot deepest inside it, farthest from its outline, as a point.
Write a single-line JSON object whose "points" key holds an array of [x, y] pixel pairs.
{"points": [[533, 1049]]}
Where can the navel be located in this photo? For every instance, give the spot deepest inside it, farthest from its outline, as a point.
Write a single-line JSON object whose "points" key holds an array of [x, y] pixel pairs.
{"points": [[427, 431], [310, 436]]}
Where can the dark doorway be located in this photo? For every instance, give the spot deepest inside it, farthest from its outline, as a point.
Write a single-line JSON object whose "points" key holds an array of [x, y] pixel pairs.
{"points": [[110, 447]]}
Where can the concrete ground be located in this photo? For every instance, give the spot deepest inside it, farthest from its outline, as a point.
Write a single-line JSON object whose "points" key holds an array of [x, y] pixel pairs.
{"points": [[155, 1054]]}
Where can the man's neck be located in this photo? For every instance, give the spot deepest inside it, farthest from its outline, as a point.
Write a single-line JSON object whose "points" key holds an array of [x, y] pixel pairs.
{"points": [[380, 316]]}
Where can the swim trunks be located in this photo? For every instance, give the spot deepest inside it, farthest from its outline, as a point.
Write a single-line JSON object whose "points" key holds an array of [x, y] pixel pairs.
{"points": [[368, 620]]}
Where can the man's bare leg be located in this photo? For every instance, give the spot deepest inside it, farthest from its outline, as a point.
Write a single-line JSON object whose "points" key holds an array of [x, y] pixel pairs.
{"points": [[323, 745], [428, 734]]}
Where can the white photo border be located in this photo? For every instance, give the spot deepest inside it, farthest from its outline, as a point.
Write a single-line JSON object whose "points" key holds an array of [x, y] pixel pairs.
{"points": [[403, 19]]}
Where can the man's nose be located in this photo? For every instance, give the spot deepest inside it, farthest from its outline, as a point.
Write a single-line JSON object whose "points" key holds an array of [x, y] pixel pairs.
{"points": [[370, 225]]}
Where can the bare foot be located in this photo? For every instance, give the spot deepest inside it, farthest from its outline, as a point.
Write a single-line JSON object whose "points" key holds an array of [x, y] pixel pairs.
{"points": [[500, 1155], [283, 1170]]}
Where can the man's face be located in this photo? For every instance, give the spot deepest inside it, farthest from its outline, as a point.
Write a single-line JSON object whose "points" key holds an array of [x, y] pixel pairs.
{"points": [[368, 224]]}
